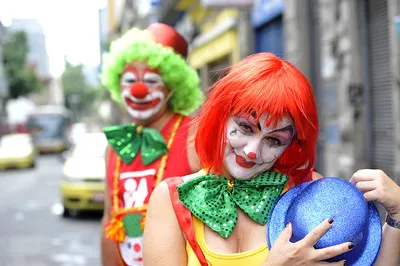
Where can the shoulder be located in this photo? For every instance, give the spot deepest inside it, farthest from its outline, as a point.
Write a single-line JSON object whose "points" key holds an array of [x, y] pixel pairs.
{"points": [[194, 175], [161, 193]]}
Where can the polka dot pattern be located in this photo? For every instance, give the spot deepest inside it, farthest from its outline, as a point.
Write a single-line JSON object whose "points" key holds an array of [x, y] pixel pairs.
{"points": [[128, 140], [215, 199]]}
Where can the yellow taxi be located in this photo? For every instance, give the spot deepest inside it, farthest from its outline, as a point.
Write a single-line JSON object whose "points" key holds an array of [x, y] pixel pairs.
{"points": [[17, 151], [82, 185]]}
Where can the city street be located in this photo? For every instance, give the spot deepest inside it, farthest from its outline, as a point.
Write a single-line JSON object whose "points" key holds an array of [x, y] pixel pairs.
{"points": [[32, 229]]}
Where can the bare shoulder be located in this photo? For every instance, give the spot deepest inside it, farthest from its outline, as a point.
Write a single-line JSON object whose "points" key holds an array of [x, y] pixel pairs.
{"points": [[162, 189], [191, 176], [160, 198]]}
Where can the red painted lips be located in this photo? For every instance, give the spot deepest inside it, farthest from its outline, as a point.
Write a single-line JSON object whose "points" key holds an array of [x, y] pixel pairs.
{"points": [[142, 106], [241, 161]]}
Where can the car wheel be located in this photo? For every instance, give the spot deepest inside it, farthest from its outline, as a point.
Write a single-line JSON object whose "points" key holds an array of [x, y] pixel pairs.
{"points": [[66, 213]]}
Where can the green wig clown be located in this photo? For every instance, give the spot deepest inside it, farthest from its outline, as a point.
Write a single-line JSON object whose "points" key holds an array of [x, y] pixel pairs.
{"points": [[146, 72], [162, 49]]}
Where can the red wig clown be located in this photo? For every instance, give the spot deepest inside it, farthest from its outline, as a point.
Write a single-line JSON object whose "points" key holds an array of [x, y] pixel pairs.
{"points": [[256, 132], [261, 83]]}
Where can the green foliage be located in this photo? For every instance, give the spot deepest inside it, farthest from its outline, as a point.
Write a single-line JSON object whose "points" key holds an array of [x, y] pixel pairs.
{"points": [[79, 95], [21, 77], [73, 80]]}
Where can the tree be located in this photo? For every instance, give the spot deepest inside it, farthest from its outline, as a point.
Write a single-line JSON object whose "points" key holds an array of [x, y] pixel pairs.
{"points": [[21, 77], [79, 95]]}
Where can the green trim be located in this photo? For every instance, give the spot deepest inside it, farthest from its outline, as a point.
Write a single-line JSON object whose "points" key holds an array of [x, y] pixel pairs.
{"points": [[137, 45], [132, 225]]}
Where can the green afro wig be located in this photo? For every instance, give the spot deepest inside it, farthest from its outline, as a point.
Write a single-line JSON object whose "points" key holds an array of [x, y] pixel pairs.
{"points": [[179, 77]]}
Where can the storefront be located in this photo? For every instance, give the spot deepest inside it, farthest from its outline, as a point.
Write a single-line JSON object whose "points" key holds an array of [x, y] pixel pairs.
{"points": [[216, 48]]}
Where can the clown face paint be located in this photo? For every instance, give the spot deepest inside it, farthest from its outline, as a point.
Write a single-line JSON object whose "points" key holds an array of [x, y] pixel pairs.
{"points": [[143, 92], [131, 251], [252, 148]]}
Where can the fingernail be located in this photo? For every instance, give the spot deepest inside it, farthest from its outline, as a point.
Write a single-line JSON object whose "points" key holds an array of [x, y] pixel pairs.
{"points": [[287, 224], [351, 246], [345, 262], [330, 220]]}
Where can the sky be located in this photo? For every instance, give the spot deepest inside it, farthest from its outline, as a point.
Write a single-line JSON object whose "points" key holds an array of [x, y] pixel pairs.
{"points": [[70, 27]]}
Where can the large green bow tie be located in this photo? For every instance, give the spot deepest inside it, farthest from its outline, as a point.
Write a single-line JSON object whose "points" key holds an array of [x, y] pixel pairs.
{"points": [[213, 199], [128, 140]]}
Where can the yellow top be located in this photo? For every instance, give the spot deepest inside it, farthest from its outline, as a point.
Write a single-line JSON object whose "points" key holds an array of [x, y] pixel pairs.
{"points": [[251, 257]]}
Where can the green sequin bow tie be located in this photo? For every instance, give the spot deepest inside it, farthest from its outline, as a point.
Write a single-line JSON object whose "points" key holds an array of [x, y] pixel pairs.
{"points": [[128, 140], [213, 199]]}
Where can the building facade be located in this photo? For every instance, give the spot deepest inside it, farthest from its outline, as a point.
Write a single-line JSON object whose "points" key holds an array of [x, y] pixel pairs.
{"points": [[267, 20], [37, 55], [350, 52], [219, 36]]}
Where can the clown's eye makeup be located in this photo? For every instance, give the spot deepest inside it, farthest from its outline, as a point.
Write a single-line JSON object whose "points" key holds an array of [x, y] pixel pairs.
{"points": [[152, 79], [244, 127], [128, 78], [273, 142], [283, 135]]}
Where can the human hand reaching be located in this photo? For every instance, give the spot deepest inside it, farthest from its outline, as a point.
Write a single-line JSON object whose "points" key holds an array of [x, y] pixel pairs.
{"points": [[284, 252], [377, 186]]}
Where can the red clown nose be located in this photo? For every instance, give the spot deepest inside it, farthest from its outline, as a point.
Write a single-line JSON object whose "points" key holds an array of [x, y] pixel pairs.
{"points": [[139, 90]]}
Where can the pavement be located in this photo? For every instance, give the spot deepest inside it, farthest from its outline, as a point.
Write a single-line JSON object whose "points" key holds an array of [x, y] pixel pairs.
{"points": [[32, 229]]}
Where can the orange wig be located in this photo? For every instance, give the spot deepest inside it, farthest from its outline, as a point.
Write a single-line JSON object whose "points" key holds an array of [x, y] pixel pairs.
{"points": [[261, 83]]}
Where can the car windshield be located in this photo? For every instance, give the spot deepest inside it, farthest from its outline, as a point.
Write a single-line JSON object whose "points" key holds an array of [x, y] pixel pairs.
{"points": [[15, 141], [90, 145]]}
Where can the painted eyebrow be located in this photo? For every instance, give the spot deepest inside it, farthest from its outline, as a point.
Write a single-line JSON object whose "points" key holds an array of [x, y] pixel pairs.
{"points": [[259, 126], [287, 128]]}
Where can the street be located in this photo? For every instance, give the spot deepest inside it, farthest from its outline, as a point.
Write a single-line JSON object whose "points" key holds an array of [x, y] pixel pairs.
{"points": [[32, 229]]}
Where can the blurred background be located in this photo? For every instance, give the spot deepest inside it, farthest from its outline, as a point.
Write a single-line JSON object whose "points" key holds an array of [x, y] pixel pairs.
{"points": [[53, 108]]}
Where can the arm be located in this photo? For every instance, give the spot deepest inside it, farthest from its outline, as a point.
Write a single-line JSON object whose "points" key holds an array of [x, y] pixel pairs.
{"points": [[193, 160], [390, 247], [163, 240], [377, 186], [109, 256]]}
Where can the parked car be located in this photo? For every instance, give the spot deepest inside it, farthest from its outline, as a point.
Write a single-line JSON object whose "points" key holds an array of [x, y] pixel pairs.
{"points": [[17, 151], [82, 186]]}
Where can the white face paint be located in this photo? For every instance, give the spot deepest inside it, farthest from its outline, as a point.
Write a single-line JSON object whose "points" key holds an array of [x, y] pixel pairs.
{"points": [[131, 251], [153, 80], [253, 148], [128, 79], [149, 106]]}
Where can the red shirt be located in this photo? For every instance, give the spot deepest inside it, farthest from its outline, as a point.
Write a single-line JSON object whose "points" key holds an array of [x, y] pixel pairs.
{"points": [[137, 181]]}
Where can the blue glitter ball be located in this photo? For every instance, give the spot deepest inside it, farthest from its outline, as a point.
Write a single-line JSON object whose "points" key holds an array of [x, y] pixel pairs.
{"points": [[355, 220]]}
